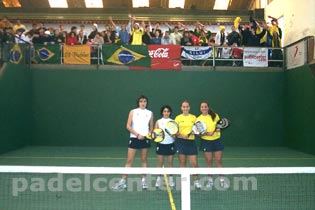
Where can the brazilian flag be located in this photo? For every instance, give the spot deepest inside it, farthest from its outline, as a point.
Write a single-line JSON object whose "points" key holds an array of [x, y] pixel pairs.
{"points": [[129, 55], [16, 54], [50, 54]]}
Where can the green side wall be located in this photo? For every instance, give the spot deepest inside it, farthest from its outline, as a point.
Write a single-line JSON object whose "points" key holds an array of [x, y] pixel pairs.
{"points": [[90, 108], [300, 109], [15, 108]]}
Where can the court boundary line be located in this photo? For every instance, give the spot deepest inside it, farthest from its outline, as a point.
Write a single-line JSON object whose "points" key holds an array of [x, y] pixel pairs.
{"points": [[151, 158]]}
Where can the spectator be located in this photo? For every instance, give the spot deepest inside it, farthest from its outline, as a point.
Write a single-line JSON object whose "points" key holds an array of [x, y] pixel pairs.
{"points": [[220, 39], [276, 53], [122, 35], [19, 26], [254, 38], [233, 37], [156, 39], [147, 35], [93, 32], [34, 29], [20, 37], [72, 39], [82, 39], [176, 36], [236, 53], [136, 32], [107, 37], [82, 28], [203, 41], [166, 39], [8, 36], [58, 37], [186, 39]]}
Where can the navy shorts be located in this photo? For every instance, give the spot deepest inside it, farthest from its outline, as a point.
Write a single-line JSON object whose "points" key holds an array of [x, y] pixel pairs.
{"points": [[211, 146], [165, 149], [135, 143], [185, 147]]}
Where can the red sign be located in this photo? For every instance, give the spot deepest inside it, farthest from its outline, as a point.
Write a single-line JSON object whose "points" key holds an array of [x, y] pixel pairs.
{"points": [[163, 57]]}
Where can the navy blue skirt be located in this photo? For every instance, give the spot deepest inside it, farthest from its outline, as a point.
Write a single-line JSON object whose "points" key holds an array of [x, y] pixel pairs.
{"points": [[165, 149], [211, 146], [185, 147], [135, 143]]}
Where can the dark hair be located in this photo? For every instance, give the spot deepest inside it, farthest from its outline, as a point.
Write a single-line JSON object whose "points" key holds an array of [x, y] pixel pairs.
{"points": [[184, 101], [142, 97], [210, 112], [165, 107]]}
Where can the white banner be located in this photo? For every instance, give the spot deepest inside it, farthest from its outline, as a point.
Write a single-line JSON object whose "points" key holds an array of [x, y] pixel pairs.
{"points": [[196, 53], [255, 57], [296, 55]]}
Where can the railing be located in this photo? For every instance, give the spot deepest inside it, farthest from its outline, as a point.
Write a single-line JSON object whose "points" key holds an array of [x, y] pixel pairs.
{"points": [[276, 57]]}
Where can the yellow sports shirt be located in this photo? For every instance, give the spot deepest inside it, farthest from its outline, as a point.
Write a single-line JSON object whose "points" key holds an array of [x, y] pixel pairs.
{"points": [[137, 37], [185, 124], [210, 126]]}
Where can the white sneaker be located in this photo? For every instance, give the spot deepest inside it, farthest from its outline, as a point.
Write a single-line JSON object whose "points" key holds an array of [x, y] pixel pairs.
{"points": [[171, 181], [120, 185], [197, 184], [209, 183], [158, 182], [223, 184], [144, 183]]}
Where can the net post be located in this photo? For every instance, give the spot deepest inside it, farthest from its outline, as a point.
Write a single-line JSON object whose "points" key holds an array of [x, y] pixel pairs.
{"points": [[185, 191]]}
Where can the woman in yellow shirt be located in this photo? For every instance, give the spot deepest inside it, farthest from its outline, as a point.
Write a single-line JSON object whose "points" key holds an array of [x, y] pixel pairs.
{"points": [[210, 143], [185, 144]]}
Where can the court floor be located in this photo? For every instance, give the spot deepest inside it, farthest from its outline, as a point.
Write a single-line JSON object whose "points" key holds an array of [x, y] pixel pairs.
{"points": [[116, 156], [32, 192]]}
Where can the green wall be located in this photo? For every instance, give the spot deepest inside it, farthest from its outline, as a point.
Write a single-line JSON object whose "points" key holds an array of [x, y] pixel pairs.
{"points": [[90, 108], [15, 108], [300, 109]]}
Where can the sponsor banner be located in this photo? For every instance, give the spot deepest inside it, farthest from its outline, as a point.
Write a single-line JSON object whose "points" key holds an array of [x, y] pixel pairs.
{"points": [[163, 57], [196, 53], [76, 54], [296, 55], [255, 57], [129, 55]]}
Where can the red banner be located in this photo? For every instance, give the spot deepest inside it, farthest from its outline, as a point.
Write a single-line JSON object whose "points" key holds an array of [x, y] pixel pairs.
{"points": [[163, 57]]}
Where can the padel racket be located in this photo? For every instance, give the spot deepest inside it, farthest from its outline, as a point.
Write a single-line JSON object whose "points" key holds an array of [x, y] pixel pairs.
{"points": [[157, 135], [223, 123], [199, 127], [171, 128]]}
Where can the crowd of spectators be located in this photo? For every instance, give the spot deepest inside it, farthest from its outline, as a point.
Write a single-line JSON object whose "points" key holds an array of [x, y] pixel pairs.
{"points": [[136, 32]]}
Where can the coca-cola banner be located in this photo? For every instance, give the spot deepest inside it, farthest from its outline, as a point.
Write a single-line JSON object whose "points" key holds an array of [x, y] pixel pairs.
{"points": [[163, 57]]}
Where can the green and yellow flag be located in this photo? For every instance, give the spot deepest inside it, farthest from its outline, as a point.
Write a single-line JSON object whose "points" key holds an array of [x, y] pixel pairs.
{"points": [[16, 54], [48, 54], [129, 55]]}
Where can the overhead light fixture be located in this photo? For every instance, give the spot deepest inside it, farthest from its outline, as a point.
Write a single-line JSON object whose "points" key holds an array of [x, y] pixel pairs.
{"points": [[94, 3], [58, 4], [221, 4], [11, 3], [176, 3], [140, 3]]}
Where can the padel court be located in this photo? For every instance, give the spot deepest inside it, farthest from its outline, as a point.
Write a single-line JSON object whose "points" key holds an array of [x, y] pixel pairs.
{"points": [[60, 117]]}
